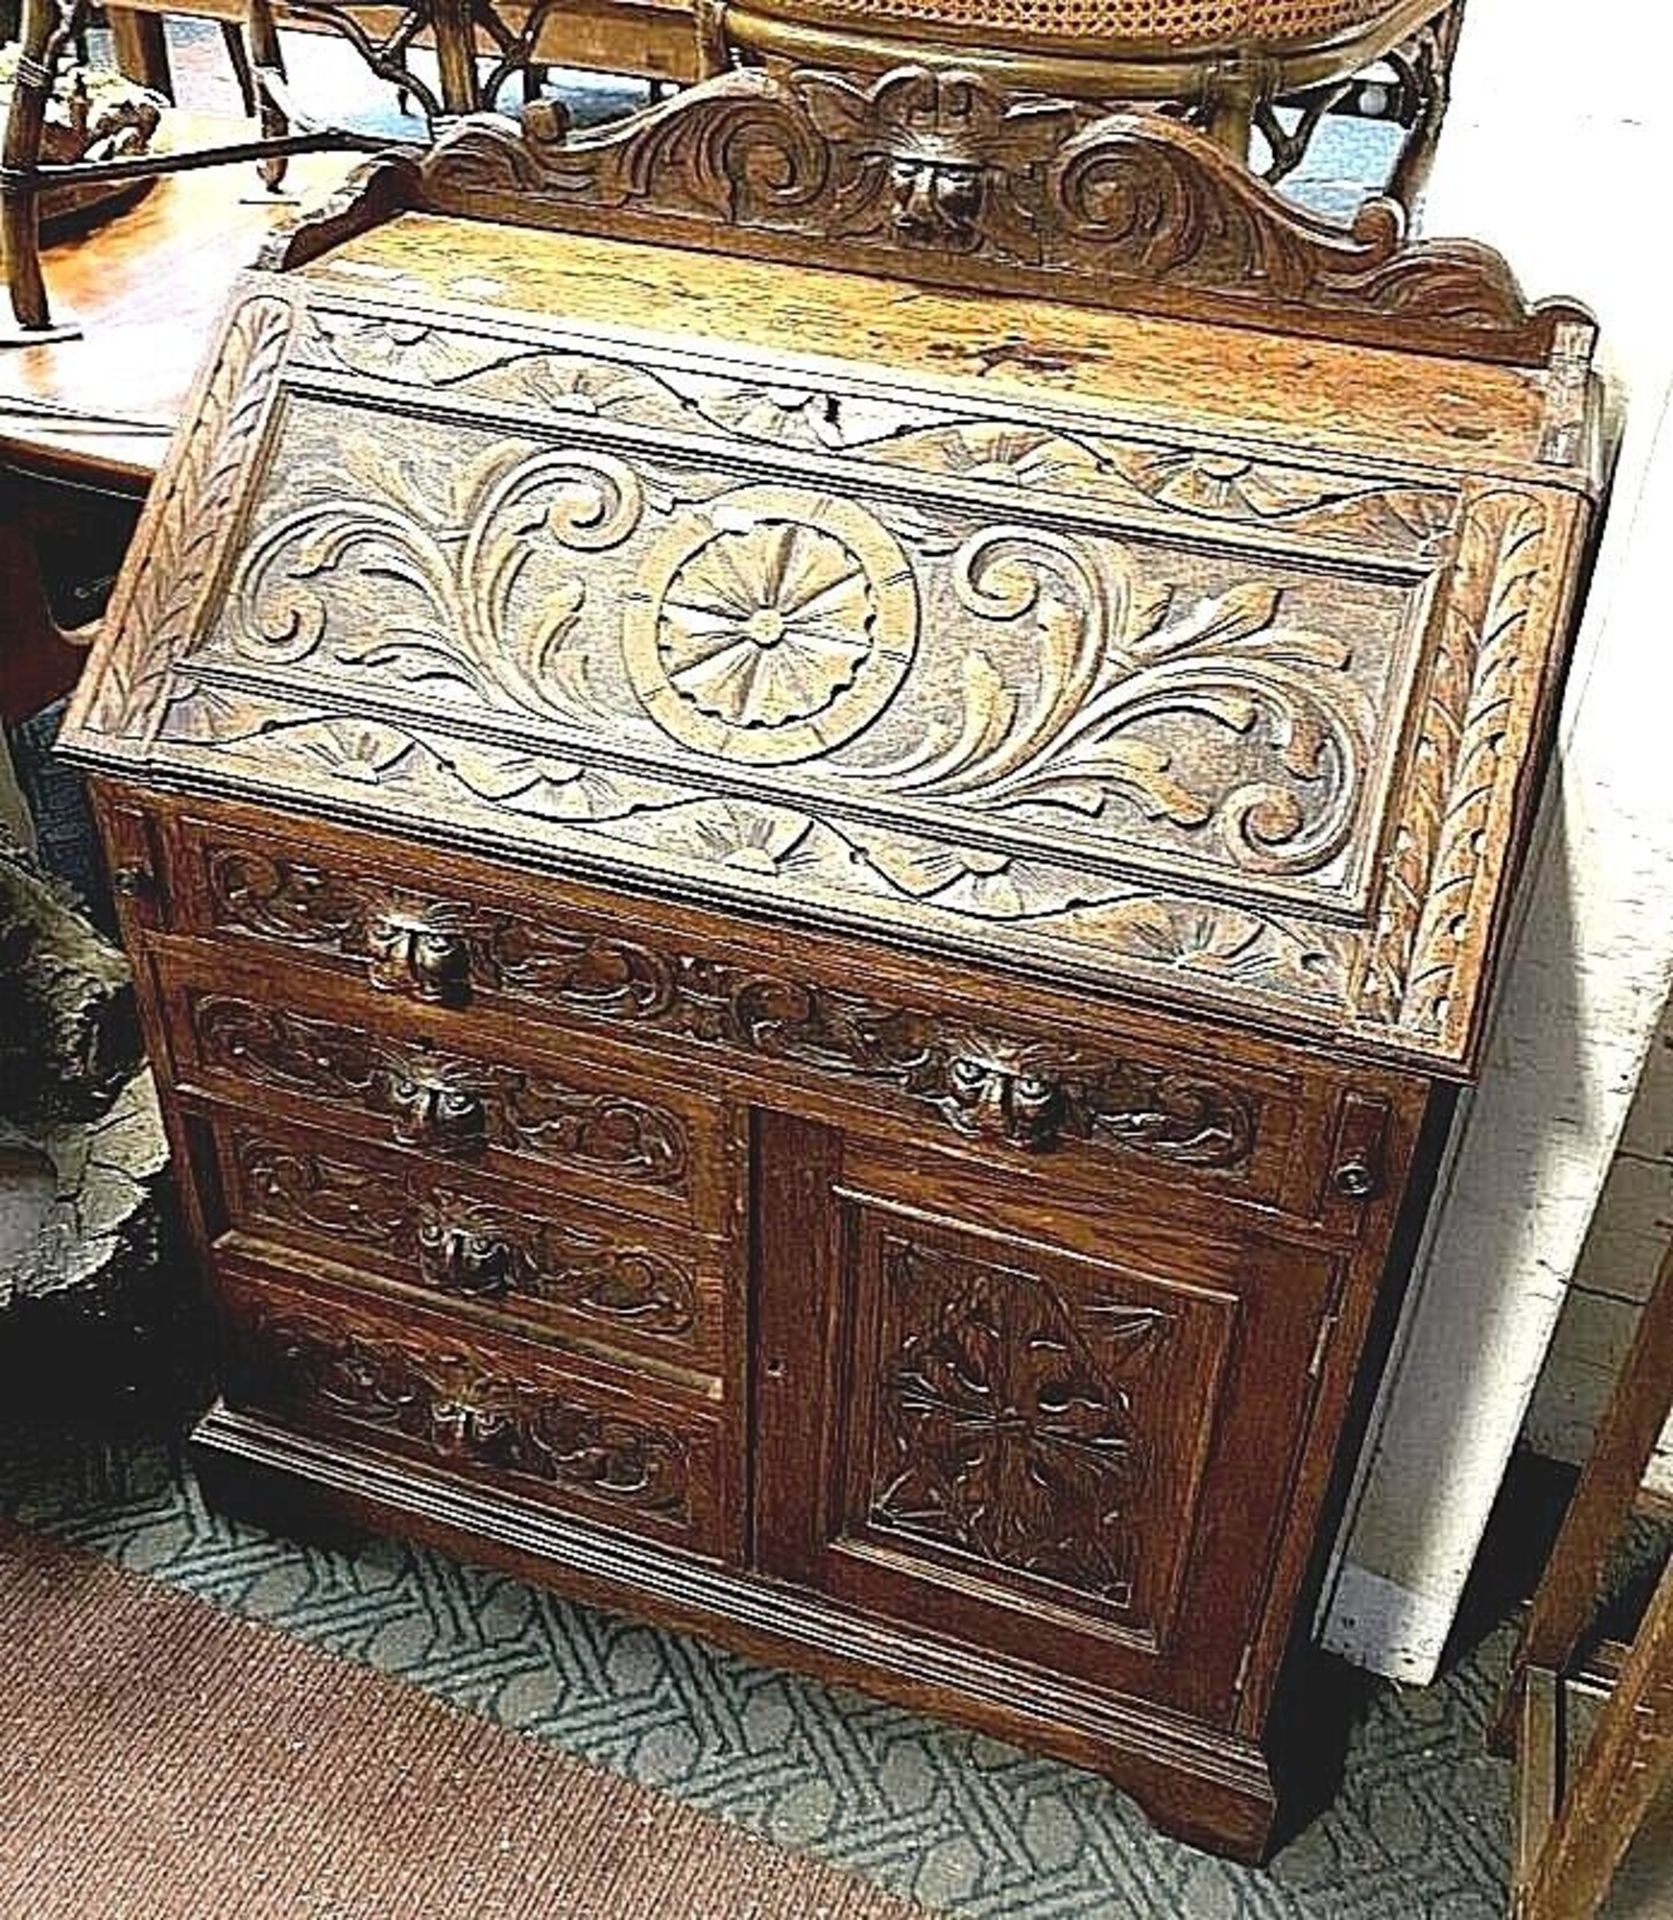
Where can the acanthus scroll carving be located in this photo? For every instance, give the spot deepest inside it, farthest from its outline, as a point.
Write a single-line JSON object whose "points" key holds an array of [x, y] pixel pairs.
{"points": [[458, 1403], [458, 1243], [440, 1101], [769, 626], [1028, 1091], [366, 560], [919, 167], [1129, 655]]}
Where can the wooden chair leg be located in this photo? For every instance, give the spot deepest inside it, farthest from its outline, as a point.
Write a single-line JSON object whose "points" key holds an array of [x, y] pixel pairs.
{"points": [[713, 54], [455, 37], [46, 27], [263, 50], [1627, 1765], [238, 57], [1427, 66], [142, 48], [1571, 1590], [1230, 99]]}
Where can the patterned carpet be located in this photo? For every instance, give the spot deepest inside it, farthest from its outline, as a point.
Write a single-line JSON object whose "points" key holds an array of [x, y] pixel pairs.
{"points": [[1418, 1831]]}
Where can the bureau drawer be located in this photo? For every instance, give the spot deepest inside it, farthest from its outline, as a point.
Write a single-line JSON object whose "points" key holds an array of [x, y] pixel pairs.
{"points": [[519, 1258], [939, 1055], [295, 1043], [584, 1439]]}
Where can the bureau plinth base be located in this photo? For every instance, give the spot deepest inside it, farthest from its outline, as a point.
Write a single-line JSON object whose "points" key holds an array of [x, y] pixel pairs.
{"points": [[1200, 1784]]}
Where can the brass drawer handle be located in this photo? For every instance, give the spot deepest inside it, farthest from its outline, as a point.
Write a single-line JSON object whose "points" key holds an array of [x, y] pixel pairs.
{"points": [[133, 881], [458, 1258], [405, 953]]}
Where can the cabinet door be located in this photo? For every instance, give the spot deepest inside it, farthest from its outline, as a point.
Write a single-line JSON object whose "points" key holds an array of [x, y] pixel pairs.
{"points": [[1060, 1432]]}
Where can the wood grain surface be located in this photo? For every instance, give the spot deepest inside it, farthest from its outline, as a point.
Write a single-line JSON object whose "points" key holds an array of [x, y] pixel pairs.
{"points": [[147, 288], [933, 736]]}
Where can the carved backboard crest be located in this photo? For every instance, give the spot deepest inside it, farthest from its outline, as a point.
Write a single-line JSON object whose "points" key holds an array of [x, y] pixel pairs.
{"points": [[943, 176]]}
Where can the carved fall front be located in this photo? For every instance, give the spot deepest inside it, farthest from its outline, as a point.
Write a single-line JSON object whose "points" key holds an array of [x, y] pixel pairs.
{"points": [[1019, 690], [915, 711], [974, 682]]}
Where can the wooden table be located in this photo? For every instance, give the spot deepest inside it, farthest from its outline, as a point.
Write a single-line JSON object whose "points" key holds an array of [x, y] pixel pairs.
{"points": [[84, 422], [146, 288], [651, 39]]}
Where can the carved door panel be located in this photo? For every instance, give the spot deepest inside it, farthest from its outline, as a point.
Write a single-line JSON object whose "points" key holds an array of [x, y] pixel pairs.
{"points": [[1061, 1434]]}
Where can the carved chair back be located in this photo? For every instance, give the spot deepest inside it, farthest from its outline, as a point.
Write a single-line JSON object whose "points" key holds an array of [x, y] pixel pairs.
{"points": [[1225, 64]]}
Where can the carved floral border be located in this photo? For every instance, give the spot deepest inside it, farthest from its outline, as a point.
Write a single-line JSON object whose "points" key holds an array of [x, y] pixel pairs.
{"points": [[183, 536], [1413, 988]]}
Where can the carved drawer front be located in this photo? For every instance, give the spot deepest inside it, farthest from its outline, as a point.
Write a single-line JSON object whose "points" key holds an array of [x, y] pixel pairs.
{"points": [[1072, 1440], [549, 1267], [599, 1133], [408, 1382], [1094, 1104]]}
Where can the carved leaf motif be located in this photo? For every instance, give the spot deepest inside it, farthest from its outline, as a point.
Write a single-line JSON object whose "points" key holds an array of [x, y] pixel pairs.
{"points": [[1485, 745], [373, 582], [1286, 958], [541, 785], [411, 352], [945, 171], [554, 1261], [1472, 725], [1146, 197], [774, 625], [1234, 487], [332, 1196], [1100, 1096], [1210, 486], [1008, 1432], [440, 1100], [1113, 655], [282, 899], [457, 1402], [154, 618]]}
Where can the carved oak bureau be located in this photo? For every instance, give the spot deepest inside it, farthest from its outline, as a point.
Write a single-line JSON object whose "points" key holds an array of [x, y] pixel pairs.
{"points": [[813, 797]]}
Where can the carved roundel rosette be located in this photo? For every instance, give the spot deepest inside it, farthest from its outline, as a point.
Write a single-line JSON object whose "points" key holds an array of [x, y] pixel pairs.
{"points": [[771, 625]]}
